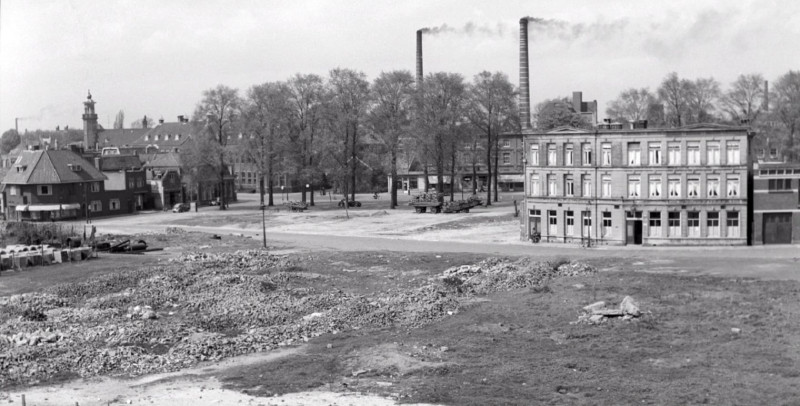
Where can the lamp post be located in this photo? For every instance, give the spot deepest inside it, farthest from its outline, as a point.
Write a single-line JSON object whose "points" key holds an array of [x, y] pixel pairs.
{"points": [[264, 225]]}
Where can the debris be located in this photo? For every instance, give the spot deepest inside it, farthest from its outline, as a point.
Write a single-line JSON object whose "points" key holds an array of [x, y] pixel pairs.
{"points": [[594, 306], [598, 312], [735, 330], [629, 307]]}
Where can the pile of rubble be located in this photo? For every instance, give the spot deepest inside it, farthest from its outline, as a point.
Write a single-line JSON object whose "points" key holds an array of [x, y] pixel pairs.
{"points": [[597, 312], [203, 306]]}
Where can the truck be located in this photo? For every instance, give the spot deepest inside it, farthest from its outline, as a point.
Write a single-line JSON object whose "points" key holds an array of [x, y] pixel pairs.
{"points": [[433, 201]]}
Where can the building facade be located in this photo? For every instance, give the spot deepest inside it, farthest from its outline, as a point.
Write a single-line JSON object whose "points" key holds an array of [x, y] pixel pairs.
{"points": [[776, 203], [685, 186]]}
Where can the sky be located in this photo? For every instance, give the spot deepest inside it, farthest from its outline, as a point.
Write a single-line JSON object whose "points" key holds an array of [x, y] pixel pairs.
{"points": [[156, 57]]}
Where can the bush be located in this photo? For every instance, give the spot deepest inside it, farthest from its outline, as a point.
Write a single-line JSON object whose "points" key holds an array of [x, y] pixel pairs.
{"points": [[34, 233], [33, 315]]}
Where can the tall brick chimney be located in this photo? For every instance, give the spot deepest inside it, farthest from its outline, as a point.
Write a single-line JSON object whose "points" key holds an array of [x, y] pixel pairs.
{"points": [[419, 57], [524, 83]]}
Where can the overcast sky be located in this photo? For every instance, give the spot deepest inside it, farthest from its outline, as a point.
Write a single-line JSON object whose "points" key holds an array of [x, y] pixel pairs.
{"points": [[155, 57]]}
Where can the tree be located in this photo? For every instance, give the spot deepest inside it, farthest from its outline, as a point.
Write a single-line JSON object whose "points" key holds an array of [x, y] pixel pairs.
{"points": [[786, 110], [145, 122], [219, 110], [119, 121], [347, 105], [674, 93], [744, 101], [701, 100], [264, 118], [306, 95], [631, 105], [491, 109], [556, 113], [9, 140], [390, 116]]}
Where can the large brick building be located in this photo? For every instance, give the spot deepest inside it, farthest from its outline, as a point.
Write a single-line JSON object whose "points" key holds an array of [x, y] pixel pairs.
{"points": [[685, 186], [776, 202]]}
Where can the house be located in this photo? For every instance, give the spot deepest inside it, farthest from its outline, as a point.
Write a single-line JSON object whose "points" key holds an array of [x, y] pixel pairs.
{"points": [[126, 185], [54, 185], [776, 203], [683, 186]]}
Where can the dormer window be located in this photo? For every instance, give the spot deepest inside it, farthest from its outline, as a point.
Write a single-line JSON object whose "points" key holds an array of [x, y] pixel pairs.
{"points": [[158, 137], [74, 167], [147, 137], [21, 168]]}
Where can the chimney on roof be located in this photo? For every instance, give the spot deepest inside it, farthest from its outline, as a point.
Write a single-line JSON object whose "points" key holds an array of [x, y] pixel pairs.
{"points": [[161, 121], [180, 119], [97, 163], [524, 78]]}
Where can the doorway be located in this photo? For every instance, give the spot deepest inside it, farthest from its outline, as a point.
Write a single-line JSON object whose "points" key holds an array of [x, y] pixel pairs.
{"points": [[634, 227], [777, 228]]}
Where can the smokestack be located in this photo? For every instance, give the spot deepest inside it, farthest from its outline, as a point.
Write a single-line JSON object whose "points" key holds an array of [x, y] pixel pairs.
{"points": [[524, 85], [419, 57]]}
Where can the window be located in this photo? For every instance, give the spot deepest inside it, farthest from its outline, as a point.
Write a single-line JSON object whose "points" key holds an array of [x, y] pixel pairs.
{"points": [[587, 223], [95, 186], [131, 183], [139, 182], [551, 154], [606, 154], [712, 187], [570, 221], [587, 153], [13, 190], [178, 136], [733, 187], [552, 222], [96, 206], [113, 204], [568, 155], [654, 153], [147, 137], [655, 187], [733, 157], [535, 191], [693, 187], [535, 155], [712, 153], [634, 187], [780, 184], [674, 185], [761, 152], [506, 142], [158, 137], [569, 186], [674, 153], [732, 221], [655, 224], [712, 222], [45, 190], [606, 223], [693, 223], [552, 185], [606, 186], [587, 186], [674, 223], [693, 153], [506, 158], [773, 152], [634, 154]]}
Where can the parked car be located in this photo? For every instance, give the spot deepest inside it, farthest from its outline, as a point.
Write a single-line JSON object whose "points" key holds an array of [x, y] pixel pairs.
{"points": [[180, 207], [350, 203]]}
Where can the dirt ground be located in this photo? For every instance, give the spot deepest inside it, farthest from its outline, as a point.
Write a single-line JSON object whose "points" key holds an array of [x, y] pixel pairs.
{"points": [[703, 338]]}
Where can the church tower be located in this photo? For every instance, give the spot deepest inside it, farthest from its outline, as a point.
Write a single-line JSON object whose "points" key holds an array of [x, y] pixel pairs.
{"points": [[89, 124]]}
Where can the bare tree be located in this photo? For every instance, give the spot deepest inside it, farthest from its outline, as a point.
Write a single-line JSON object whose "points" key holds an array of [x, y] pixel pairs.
{"points": [[744, 101], [306, 97], [555, 113], [701, 101], [219, 110], [492, 109], [786, 110], [119, 120], [390, 116], [631, 105], [674, 94]]}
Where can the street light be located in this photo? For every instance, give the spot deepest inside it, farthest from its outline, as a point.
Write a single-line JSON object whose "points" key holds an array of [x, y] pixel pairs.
{"points": [[283, 197], [264, 225]]}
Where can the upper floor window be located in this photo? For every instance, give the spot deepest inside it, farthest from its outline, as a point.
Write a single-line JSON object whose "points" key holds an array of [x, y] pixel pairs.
{"points": [[634, 154], [568, 154], [655, 187], [506, 142], [569, 186], [654, 153], [713, 187], [587, 186], [606, 186], [606, 154], [634, 187], [693, 187], [552, 185], [535, 191], [733, 153], [13, 190], [733, 187], [693, 154], [674, 186], [535, 154], [674, 153], [780, 184], [45, 190], [95, 186], [712, 153], [551, 154], [506, 158], [587, 153]]}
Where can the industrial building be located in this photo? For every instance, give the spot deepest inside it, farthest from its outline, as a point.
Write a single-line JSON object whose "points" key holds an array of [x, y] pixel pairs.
{"points": [[776, 202]]}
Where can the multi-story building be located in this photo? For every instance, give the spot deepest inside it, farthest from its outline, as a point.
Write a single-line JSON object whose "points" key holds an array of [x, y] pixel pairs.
{"points": [[776, 203], [684, 186]]}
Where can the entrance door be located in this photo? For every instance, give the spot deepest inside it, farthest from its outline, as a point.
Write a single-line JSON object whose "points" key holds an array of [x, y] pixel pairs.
{"points": [[777, 228], [634, 234]]}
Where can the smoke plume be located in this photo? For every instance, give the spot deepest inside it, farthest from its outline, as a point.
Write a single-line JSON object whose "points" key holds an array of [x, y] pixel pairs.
{"points": [[469, 28], [565, 31]]}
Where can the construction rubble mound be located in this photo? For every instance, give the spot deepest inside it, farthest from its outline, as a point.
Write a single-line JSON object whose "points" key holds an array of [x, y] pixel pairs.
{"points": [[597, 312], [206, 307]]}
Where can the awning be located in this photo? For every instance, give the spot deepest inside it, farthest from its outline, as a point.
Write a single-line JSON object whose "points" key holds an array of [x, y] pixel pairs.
{"points": [[511, 178], [49, 207]]}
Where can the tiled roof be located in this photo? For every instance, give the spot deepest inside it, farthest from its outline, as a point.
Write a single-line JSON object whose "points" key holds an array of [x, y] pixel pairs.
{"points": [[163, 160], [168, 134], [119, 162], [120, 137], [51, 167]]}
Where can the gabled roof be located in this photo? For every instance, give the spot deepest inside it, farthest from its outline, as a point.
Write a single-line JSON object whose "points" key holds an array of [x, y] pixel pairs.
{"points": [[119, 162], [120, 137], [163, 160], [51, 167], [169, 134], [566, 129]]}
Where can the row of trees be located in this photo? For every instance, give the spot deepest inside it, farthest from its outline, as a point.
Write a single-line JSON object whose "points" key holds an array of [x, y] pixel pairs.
{"points": [[342, 128], [747, 100]]}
